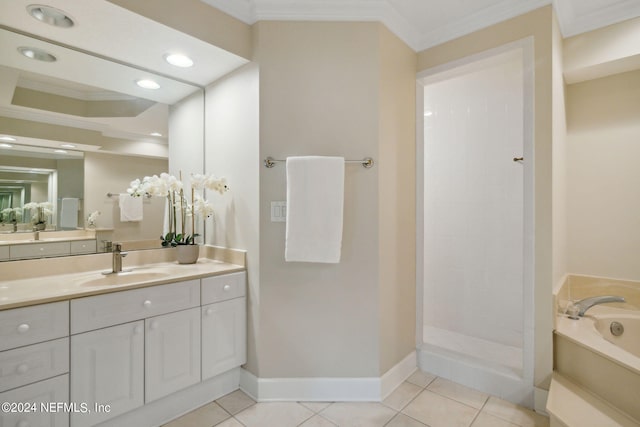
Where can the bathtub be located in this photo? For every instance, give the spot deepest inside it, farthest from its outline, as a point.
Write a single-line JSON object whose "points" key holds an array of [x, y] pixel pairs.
{"points": [[588, 353]]}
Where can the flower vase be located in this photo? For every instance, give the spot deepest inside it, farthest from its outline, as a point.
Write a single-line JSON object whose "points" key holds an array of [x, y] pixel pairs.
{"points": [[188, 254], [40, 226]]}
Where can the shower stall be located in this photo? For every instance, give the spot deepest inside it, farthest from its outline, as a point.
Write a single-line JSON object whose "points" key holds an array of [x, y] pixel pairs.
{"points": [[475, 216]]}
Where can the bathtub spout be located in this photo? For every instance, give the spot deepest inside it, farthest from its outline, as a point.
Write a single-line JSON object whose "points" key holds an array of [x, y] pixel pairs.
{"points": [[579, 308]]}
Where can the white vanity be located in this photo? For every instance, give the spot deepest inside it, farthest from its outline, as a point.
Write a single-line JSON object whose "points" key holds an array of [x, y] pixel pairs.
{"points": [[137, 352]]}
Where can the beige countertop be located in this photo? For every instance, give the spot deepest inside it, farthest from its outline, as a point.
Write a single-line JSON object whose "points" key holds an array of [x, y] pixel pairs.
{"points": [[24, 283]]}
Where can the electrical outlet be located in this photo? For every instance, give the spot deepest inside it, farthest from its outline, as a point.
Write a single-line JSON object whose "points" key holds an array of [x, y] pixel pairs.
{"points": [[278, 211]]}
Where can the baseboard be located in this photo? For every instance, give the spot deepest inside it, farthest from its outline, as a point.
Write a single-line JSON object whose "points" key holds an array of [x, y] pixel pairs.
{"points": [[368, 389], [540, 397], [163, 410], [398, 374]]}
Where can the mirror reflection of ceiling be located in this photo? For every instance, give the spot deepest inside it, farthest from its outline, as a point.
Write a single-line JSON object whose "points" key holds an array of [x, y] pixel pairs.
{"points": [[92, 100]]}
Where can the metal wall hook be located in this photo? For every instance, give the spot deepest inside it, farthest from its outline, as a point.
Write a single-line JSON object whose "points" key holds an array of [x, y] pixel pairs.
{"points": [[518, 159]]}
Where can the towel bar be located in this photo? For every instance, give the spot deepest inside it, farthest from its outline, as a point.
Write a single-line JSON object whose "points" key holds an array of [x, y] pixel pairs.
{"points": [[148, 196], [367, 162]]}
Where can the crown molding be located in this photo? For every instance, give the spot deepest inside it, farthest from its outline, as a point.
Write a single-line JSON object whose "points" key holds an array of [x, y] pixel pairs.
{"points": [[573, 23], [412, 33]]}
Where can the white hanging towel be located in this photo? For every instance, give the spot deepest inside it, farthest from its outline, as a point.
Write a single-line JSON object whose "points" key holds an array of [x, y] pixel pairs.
{"points": [[315, 201], [130, 208], [69, 208]]}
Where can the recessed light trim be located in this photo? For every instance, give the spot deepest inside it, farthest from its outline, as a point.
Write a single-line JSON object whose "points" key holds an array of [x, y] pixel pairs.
{"points": [[155, 134], [5, 145], [50, 15], [37, 54], [7, 139], [147, 84], [60, 151], [178, 60], [67, 146]]}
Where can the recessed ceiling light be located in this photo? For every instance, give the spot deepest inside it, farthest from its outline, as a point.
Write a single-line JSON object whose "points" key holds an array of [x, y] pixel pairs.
{"points": [[428, 113], [50, 15], [155, 134], [37, 54], [60, 151], [67, 146], [147, 84], [7, 138], [5, 145], [178, 60]]}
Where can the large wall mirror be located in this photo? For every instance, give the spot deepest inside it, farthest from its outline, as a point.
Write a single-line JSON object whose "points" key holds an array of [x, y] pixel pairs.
{"points": [[78, 123]]}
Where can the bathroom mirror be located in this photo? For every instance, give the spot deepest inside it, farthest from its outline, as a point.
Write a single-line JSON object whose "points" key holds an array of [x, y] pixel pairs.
{"points": [[64, 138]]}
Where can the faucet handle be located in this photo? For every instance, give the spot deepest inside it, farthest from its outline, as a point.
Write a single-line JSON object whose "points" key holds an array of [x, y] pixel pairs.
{"points": [[117, 247]]}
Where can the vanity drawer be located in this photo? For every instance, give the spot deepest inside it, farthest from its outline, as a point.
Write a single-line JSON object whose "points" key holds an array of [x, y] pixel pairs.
{"points": [[29, 325], [33, 363], [39, 250], [48, 392], [224, 287], [121, 307], [83, 247]]}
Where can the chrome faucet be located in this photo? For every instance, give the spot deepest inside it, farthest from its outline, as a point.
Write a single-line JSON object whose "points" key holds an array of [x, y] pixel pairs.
{"points": [[579, 308], [116, 263]]}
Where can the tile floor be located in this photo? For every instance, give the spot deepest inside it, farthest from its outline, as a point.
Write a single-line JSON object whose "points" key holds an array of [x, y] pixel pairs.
{"points": [[422, 400]]}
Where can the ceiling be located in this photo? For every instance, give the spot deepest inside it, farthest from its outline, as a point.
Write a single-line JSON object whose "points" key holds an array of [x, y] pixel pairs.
{"points": [[426, 23]]}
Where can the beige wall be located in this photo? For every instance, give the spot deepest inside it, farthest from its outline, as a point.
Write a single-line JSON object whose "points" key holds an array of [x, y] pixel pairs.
{"points": [[603, 176], [559, 162], [106, 173], [396, 199], [344, 89], [539, 25]]}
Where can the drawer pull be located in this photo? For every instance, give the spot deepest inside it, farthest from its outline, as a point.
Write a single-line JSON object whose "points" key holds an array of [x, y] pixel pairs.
{"points": [[23, 423], [153, 325], [24, 328], [137, 330], [209, 311], [226, 288], [147, 304], [23, 368]]}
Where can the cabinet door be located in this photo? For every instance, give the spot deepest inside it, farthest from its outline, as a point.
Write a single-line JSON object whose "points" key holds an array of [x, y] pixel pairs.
{"points": [[224, 336], [107, 369], [52, 394], [172, 360]]}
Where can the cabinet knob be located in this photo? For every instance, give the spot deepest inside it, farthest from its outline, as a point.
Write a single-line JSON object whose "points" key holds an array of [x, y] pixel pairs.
{"points": [[226, 288], [209, 311], [22, 368], [23, 423], [137, 330], [146, 304], [153, 324], [23, 328]]}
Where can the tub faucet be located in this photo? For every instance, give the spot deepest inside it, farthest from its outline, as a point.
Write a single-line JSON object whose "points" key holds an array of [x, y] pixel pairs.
{"points": [[579, 308], [116, 262]]}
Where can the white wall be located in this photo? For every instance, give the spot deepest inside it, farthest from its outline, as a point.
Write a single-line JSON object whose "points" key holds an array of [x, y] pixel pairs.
{"points": [[232, 151]]}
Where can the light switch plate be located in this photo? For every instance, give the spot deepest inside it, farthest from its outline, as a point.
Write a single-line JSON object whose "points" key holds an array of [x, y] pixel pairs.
{"points": [[278, 211]]}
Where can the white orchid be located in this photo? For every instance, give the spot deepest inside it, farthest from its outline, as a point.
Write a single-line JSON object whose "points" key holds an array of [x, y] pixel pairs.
{"points": [[39, 211], [172, 188], [92, 218]]}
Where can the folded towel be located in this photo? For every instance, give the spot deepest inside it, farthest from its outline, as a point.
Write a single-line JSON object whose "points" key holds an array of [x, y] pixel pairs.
{"points": [[69, 212], [130, 208], [315, 200]]}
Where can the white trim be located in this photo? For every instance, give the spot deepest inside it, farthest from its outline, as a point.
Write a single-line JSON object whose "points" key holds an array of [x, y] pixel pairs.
{"points": [[540, 397], [572, 24], [368, 389], [395, 376]]}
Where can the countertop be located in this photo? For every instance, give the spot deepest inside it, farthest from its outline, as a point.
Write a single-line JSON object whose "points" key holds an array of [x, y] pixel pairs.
{"points": [[25, 291]]}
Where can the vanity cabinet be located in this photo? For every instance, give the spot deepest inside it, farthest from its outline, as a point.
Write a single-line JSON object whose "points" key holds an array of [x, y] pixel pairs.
{"points": [[224, 323], [172, 343], [39, 250], [4, 253], [34, 364], [107, 368]]}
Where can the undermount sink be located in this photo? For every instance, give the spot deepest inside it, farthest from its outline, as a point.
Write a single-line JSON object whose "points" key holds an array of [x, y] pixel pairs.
{"points": [[123, 278]]}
